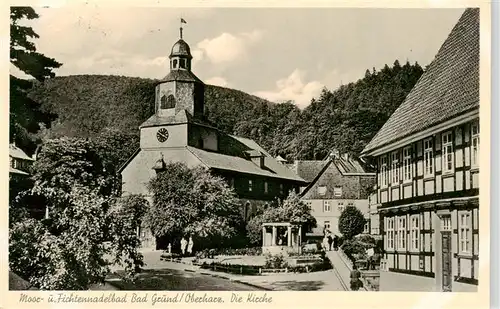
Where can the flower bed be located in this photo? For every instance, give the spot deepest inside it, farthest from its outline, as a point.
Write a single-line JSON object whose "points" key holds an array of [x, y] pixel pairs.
{"points": [[210, 253], [273, 264]]}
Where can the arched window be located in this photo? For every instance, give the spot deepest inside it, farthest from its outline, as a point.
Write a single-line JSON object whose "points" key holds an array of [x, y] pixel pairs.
{"points": [[163, 102], [170, 101]]}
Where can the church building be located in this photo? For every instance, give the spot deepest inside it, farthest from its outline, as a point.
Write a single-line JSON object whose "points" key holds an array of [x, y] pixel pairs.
{"points": [[179, 132]]}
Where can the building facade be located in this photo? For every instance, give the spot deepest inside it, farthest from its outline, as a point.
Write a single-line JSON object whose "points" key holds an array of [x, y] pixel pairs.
{"points": [[334, 183], [427, 157], [179, 132]]}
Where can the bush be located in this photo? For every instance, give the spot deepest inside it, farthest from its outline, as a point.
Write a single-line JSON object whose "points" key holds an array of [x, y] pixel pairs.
{"points": [[210, 253], [354, 249], [275, 261], [232, 268]]}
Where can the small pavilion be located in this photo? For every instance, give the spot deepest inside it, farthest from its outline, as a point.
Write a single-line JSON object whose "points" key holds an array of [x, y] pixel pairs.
{"points": [[281, 237]]}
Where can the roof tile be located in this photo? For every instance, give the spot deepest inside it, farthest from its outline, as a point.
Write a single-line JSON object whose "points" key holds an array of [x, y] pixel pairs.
{"points": [[448, 88]]}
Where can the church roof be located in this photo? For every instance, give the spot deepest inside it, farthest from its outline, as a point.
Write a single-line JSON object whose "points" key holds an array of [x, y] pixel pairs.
{"points": [[181, 76], [221, 161], [181, 48], [156, 120], [449, 87]]}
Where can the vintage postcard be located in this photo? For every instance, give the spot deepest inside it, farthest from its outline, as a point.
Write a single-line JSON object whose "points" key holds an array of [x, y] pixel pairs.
{"points": [[240, 154]]}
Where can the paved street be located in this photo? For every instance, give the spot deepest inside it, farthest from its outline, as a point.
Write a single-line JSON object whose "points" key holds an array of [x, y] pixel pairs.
{"points": [[179, 280]]}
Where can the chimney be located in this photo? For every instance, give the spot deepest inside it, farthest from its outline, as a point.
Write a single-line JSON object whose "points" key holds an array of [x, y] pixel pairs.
{"points": [[345, 156]]}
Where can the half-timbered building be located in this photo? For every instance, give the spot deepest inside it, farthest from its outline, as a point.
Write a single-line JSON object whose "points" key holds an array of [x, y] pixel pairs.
{"points": [[334, 183], [427, 157]]}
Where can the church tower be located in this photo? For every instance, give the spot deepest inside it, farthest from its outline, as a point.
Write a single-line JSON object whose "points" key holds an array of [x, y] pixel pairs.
{"points": [[180, 90]]}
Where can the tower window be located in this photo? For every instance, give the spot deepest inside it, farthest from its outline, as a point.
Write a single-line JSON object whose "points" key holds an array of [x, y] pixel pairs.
{"points": [[182, 63], [167, 101], [163, 102], [174, 64], [170, 101]]}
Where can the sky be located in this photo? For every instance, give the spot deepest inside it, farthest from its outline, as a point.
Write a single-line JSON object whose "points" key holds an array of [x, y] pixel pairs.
{"points": [[276, 53]]}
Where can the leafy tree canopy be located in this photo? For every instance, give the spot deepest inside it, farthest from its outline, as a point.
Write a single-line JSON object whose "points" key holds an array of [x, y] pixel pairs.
{"points": [[88, 226], [26, 115], [192, 202], [351, 222]]}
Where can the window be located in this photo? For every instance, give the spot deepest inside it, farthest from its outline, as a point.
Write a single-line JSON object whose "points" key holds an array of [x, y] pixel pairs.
{"points": [[170, 101], [446, 223], [326, 206], [415, 232], [447, 152], [231, 182], [407, 164], [327, 225], [182, 63], [163, 102], [402, 233], [390, 233], [281, 188], [266, 187], [250, 185], [395, 168], [321, 190], [337, 191], [384, 171], [350, 204], [309, 205], [341, 207], [366, 229], [174, 64], [428, 158], [464, 231], [475, 145]]}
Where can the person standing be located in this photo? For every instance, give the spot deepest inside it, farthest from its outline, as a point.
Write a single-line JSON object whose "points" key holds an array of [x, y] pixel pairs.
{"points": [[335, 243], [190, 245], [183, 245], [370, 252], [330, 241], [356, 283]]}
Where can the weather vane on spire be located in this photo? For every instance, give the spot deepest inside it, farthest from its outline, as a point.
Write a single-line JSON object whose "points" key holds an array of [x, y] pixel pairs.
{"points": [[182, 22]]}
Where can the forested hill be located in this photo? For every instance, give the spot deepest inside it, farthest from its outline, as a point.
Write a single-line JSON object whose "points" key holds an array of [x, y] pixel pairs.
{"points": [[347, 118], [88, 104]]}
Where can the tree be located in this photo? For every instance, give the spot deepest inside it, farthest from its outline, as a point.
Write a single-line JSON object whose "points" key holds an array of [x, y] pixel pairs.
{"points": [[25, 114], [351, 222], [292, 210], [192, 202], [88, 227]]}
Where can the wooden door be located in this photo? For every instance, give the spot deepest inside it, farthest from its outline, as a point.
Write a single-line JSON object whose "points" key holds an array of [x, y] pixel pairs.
{"points": [[446, 265]]}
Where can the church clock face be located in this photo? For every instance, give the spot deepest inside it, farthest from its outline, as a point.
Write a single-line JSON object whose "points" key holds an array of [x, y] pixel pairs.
{"points": [[162, 135]]}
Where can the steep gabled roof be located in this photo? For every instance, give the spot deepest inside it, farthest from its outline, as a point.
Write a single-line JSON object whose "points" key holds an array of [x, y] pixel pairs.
{"points": [[448, 88], [18, 153]]}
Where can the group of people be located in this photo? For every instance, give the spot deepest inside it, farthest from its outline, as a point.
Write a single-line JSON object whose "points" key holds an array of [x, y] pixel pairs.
{"points": [[329, 242], [187, 246]]}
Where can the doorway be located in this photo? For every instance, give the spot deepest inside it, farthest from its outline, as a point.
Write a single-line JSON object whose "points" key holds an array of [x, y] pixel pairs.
{"points": [[446, 254]]}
